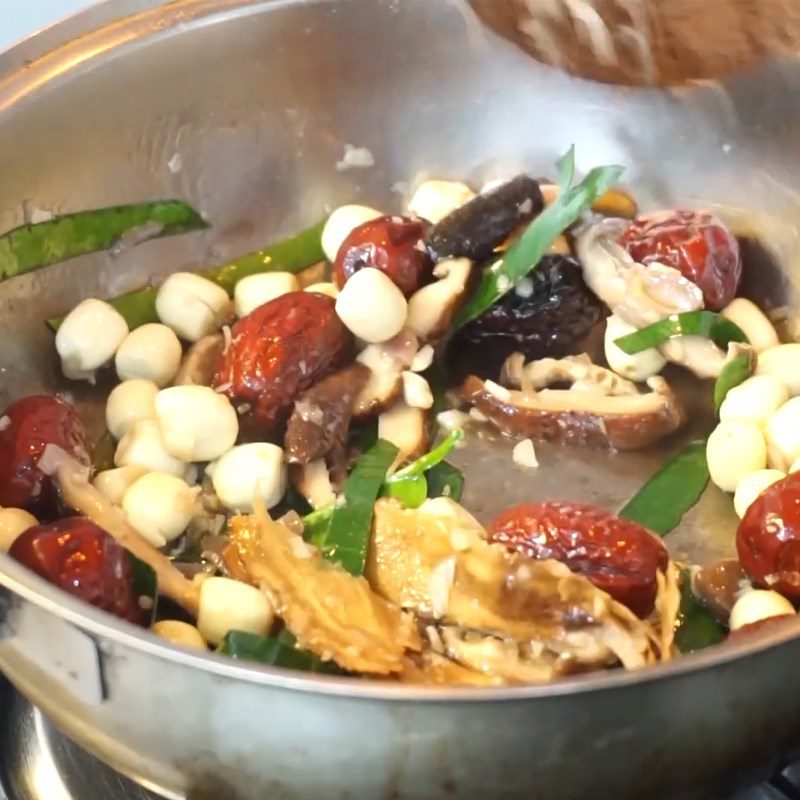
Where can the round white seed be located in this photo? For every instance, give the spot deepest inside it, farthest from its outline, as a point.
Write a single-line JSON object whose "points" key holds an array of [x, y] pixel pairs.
{"points": [[151, 352]]}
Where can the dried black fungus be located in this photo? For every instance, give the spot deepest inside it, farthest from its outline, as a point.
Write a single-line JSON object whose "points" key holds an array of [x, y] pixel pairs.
{"points": [[547, 317], [478, 227]]}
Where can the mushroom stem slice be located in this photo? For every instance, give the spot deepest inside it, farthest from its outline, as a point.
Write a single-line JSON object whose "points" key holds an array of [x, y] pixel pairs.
{"points": [[576, 370], [621, 422], [406, 428], [79, 494], [386, 362], [432, 308], [313, 481], [701, 356], [201, 361]]}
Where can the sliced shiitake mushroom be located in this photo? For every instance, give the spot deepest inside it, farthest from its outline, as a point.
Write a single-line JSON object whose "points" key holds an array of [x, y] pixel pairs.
{"points": [[201, 361], [577, 371], [386, 362], [406, 428], [432, 308], [322, 414], [313, 481], [383, 386], [622, 422], [718, 586]]}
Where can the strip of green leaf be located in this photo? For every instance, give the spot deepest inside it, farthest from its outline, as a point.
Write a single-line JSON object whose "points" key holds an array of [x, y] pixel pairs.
{"points": [[445, 480], [279, 651], [691, 323], [347, 538], [526, 253], [736, 371], [661, 503], [31, 247], [289, 255]]}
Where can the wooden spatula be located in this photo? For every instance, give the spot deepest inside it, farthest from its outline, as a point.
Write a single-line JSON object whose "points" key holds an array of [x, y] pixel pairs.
{"points": [[647, 42]]}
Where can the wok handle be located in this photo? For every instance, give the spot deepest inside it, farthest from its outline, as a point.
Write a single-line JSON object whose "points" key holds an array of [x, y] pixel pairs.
{"points": [[9, 602], [38, 645]]}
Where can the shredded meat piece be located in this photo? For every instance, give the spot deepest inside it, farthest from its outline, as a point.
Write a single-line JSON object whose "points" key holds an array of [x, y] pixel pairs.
{"points": [[498, 656], [526, 599], [407, 548], [331, 613]]}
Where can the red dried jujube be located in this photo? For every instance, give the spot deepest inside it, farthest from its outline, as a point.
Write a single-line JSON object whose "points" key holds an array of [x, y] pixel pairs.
{"points": [[26, 428], [617, 555], [394, 245], [768, 538], [696, 243], [278, 351], [81, 558]]}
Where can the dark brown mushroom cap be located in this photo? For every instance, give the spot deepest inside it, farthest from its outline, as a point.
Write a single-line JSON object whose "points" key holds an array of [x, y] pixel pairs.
{"points": [[322, 414]]}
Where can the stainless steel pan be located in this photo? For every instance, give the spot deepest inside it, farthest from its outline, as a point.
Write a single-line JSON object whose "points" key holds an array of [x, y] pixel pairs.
{"points": [[245, 109]]}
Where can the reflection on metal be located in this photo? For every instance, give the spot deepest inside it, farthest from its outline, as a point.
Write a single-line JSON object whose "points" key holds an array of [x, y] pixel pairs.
{"points": [[38, 763], [76, 663], [42, 773], [8, 602]]}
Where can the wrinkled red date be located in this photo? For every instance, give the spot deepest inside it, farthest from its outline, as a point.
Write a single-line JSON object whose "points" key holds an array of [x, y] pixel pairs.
{"points": [[278, 351], [618, 556], [768, 538], [26, 428], [394, 245], [81, 558], [696, 243]]}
